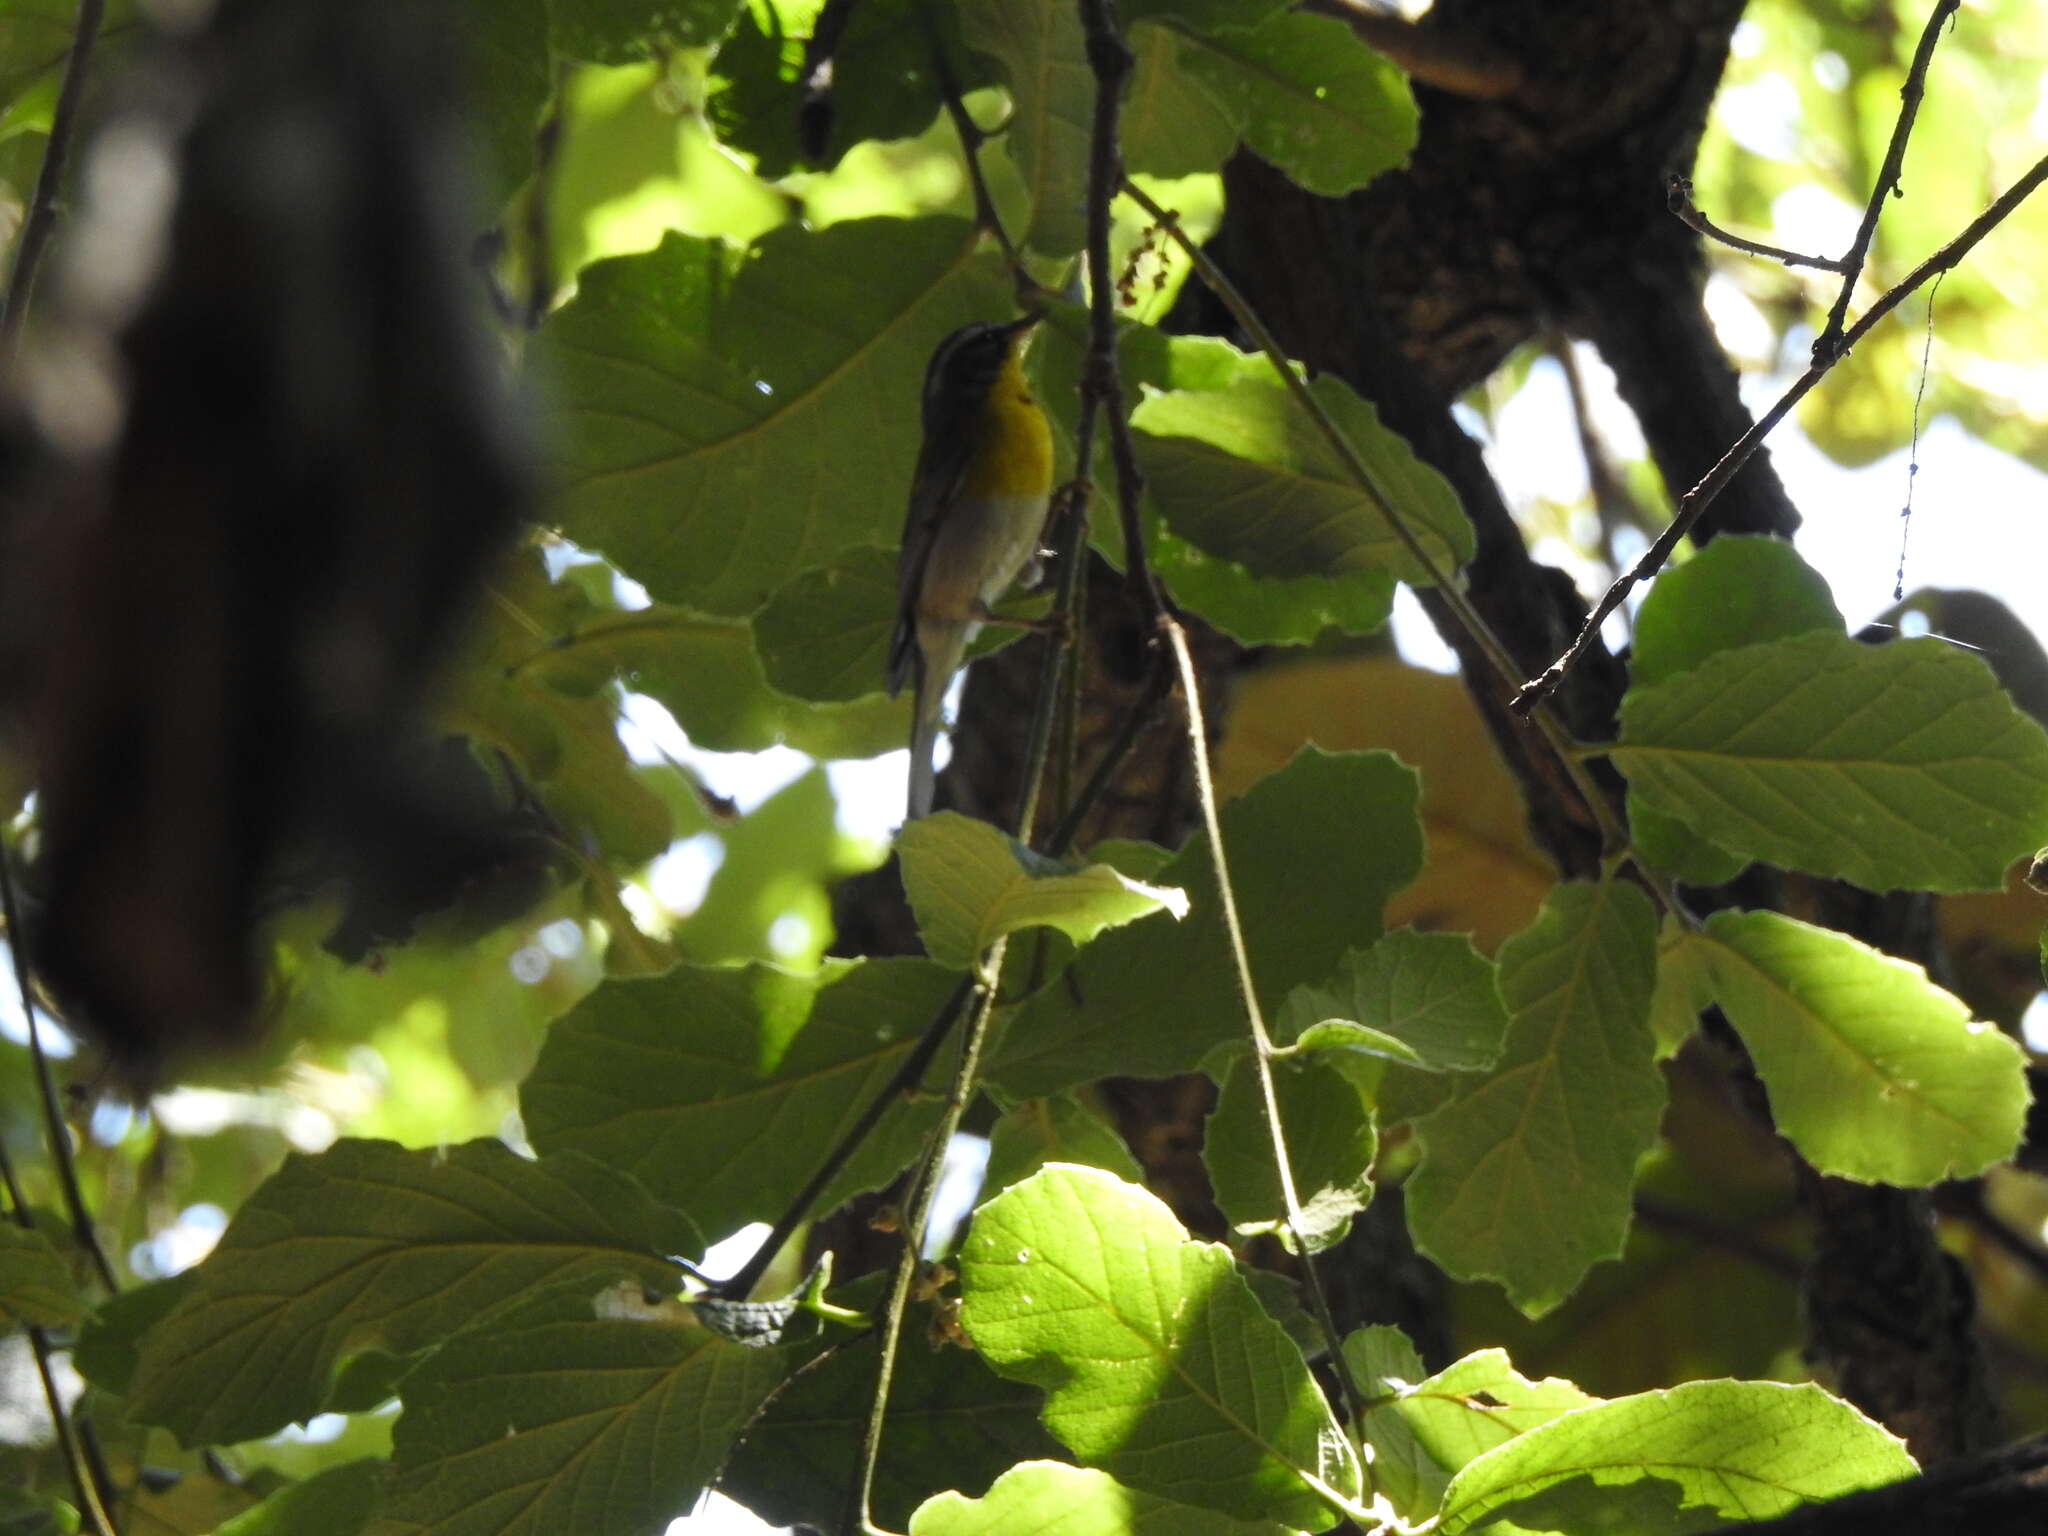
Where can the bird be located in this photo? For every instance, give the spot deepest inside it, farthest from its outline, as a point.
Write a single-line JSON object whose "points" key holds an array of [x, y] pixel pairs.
{"points": [[977, 510]]}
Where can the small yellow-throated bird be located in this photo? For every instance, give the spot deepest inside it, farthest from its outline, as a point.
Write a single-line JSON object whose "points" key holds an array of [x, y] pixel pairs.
{"points": [[977, 508]]}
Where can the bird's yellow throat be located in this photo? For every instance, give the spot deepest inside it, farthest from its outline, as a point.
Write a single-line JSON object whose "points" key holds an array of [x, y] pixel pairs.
{"points": [[1014, 456]]}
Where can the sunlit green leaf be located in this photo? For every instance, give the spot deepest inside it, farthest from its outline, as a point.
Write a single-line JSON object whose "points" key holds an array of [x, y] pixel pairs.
{"points": [[1315, 850], [1058, 1128], [969, 884], [1737, 591], [1527, 1173], [620, 31], [1434, 1425], [1898, 766], [368, 1246], [721, 1089], [768, 900], [1159, 1366], [1330, 1147], [1427, 1000], [1051, 1498], [573, 1414], [1744, 1450], [718, 432], [1038, 44], [1172, 123], [1311, 98], [1685, 986], [1244, 474], [1874, 1072]]}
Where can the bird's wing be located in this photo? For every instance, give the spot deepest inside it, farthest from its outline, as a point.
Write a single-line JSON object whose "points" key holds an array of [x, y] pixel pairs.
{"points": [[941, 465]]}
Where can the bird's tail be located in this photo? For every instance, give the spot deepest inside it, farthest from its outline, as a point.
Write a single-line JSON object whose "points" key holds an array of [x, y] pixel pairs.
{"points": [[933, 676]]}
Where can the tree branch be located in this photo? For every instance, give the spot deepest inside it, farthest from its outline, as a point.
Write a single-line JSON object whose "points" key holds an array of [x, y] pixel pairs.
{"points": [[1701, 496], [1830, 343]]}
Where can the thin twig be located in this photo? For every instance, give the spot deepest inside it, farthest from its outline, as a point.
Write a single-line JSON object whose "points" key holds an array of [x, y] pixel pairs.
{"points": [[55, 1126], [41, 218], [1111, 60], [69, 1441], [971, 139], [1701, 496], [1255, 1022], [1678, 198], [1831, 343], [917, 1220], [741, 1284]]}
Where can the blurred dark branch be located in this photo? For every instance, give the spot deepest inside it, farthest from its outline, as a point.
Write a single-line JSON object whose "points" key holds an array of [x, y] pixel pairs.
{"points": [[41, 218]]}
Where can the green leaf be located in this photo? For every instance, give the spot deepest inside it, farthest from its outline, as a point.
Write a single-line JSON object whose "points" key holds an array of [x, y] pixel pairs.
{"points": [[564, 743], [1899, 766], [1527, 1173], [881, 71], [1315, 849], [1204, 15], [721, 1089], [340, 1501], [1038, 44], [1330, 1147], [1874, 1072], [626, 31], [1685, 986], [706, 672], [1050, 1498], [1737, 591], [35, 1283], [969, 884], [826, 634], [1742, 1450], [1172, 124], [1159, 1365], [1310, 98], [1428, 1000], [510, 78], [368, 1246], [35, 41], [1056, 1129], [953, 1423], [779, 859], [1269, 610], [1258, 608], [1431, 1428], [1242, 473], [111, 1338], [573, 1414], [717, 433]]}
